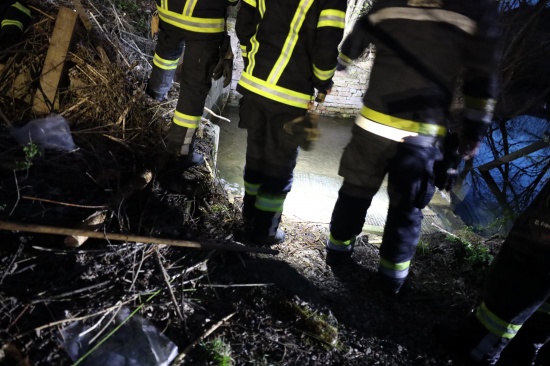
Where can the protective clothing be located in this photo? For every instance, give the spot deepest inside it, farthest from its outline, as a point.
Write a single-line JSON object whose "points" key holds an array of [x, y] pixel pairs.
{"points": [[199, 27], [16, 17], [421, 47], [515, 313], [289, 48]]}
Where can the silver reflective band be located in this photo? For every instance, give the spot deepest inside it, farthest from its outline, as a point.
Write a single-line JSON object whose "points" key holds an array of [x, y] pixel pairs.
{"points": [[388, 132], [434, 15]]}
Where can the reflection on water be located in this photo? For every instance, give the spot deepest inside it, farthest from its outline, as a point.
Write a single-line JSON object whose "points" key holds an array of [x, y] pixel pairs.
{"points": [[490, 202], [316, 180]]}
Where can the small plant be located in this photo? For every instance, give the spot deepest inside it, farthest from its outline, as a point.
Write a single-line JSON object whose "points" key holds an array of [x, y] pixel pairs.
{"points": [[423, 247], [477, 254], [31, 151], [219, 351]]}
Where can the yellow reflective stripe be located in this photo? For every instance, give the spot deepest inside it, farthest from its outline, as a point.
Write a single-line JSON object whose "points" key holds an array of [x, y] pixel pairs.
{"points": [[394, 266], [494, 324], [22, 8], [251, 3], [431, 15], [186, 120], [403, 124], [250, 188], [323, 74], [274, 92], [341, 242], [194, 24], [332, 18], [8, 22], [243, 50], [482, 104], [270, 203], [347, 61], [165, 64], [254, 44], [290, 42], [189, 7]]}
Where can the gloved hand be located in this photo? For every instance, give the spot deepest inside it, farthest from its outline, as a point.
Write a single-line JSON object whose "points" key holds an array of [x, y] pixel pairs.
{"points": [[225, 63], [468, 148], [446, 170], [304, 130]]}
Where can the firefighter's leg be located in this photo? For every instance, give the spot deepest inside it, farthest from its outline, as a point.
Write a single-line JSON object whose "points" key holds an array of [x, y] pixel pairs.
{"points": [[534, 334], [168, 51], [410, 188], [347, 222], [269, 152], [363, 166], [250, 115], [196, 79], [517, 285]]}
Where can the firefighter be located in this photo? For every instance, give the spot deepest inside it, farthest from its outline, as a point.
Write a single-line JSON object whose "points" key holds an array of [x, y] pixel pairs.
{"points": [[16, 17], [289, 50], [199, 26], [515, 313], [421, 46]]}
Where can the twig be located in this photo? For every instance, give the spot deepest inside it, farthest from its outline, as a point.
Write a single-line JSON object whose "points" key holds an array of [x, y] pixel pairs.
{"points": [[71, 292], [18, 194], [182, 355], [74, 106], [240, 285], [443, 230], [84, 317], [19, 250], [60, 203], [167, 280], [6, 225], [215, 115]]}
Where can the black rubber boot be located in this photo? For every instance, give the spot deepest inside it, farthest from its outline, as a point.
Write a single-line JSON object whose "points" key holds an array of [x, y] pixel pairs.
{"points": [[337, 258], [153, 94], [278, 238]]}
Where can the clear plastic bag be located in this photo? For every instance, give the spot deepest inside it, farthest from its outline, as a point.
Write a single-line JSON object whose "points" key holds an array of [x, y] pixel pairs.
{"points": [[136, 343], [52, 132]]}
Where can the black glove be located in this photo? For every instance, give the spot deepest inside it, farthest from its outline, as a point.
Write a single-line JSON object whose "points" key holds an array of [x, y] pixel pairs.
{"points": [[225, 63], [446, 170]]}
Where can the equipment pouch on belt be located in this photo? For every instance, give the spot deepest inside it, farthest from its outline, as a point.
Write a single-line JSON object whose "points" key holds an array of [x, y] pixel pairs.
{"points": [[446, 170]]}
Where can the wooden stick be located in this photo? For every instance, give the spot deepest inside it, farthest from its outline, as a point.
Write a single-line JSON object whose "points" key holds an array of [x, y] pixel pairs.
{"points": [[178, 360], [32, 228]]}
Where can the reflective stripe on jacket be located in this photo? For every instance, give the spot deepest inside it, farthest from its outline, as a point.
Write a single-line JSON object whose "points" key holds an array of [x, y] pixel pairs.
{"points": [[289, 47], [200, 16], [421, 47], [14, 14]]}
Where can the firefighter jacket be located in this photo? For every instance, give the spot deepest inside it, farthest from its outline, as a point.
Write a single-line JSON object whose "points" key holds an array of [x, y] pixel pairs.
{"points": [[421, 47], [289, 47], [199, 16], [16, 17]]}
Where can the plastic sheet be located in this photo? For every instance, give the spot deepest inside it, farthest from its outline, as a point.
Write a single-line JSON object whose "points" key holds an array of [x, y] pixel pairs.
{"points": [[52, 132], [136, 343]]}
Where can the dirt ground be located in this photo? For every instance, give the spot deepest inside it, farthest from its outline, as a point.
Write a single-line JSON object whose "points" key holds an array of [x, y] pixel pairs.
{"points": [[283, 308]]}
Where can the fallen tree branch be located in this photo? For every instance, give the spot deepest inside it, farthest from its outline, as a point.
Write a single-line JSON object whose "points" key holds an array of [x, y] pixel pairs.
{"points": [[7, 225]]}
